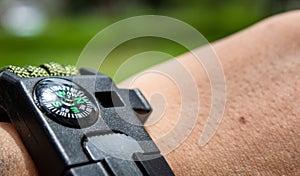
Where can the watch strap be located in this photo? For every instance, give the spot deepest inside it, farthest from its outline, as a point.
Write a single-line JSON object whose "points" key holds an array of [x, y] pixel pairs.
{"points": [[46, 69], [74, 151]]}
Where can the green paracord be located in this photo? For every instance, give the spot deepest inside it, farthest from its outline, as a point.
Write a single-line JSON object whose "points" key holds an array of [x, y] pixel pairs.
{"points": [[46, 69]]}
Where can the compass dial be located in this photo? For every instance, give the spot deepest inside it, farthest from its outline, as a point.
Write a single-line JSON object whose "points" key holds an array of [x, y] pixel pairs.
{"points": [[66, 102]]}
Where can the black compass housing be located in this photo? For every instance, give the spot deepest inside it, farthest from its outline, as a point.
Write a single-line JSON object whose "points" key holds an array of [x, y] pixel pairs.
{"points": [[66, 102], [66, 124]]}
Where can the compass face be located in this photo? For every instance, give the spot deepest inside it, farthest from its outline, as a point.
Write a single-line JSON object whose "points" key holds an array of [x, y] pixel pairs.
{"points": [[66, 102]]}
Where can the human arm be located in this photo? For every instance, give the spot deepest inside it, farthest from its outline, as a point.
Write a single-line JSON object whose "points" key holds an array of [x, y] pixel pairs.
{"points": [[260, 130]]}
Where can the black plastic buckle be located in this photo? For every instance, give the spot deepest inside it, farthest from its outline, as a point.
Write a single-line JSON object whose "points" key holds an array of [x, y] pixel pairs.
{"points": [[61, 142]]}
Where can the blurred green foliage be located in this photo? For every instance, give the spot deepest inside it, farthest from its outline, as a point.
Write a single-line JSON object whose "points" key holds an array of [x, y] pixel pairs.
{"points": [[66, 35]]}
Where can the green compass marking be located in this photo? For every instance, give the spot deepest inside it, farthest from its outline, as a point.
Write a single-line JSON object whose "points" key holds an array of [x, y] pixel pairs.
{"points": [[61, 94], [66, 102], [57, 104], [81, 100], [75, 110]]}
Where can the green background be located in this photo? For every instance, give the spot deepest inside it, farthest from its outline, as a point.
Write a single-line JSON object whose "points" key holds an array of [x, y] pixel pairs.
{"points": [[68, 31]]}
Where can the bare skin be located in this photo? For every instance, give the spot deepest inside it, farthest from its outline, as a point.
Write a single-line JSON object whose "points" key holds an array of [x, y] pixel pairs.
{"points": [[259, 133]]}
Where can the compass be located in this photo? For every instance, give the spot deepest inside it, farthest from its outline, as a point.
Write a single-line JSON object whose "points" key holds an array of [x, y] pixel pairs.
{"points": [[66, 102]]}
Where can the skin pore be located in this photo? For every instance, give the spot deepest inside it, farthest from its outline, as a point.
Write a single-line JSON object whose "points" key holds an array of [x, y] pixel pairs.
{"points": [[259, 133]]}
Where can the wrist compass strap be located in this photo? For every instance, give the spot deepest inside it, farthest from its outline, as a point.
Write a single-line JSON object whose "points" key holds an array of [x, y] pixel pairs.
{"points": [[78, 122], [46, 69]]}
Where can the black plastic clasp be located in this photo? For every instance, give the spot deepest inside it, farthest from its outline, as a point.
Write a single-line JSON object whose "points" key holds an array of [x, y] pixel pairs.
{"points": [[58, 149], [138, 103]]}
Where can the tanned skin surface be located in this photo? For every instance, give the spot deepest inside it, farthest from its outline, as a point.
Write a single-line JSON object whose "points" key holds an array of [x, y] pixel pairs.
{"points": [[260, 130]]}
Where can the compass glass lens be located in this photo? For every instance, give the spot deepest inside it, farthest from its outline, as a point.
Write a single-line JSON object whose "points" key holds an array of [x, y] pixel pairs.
{"points": [[66, 102]]}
